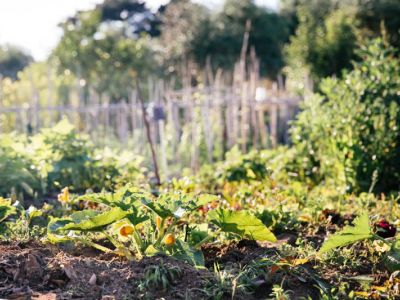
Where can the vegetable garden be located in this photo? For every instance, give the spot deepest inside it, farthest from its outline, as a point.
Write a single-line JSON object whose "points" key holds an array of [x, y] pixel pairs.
{"points": [[287, 223], [198, 199]]}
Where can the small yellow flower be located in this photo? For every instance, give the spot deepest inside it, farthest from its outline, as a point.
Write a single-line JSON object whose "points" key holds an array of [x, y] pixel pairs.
{"points": [[125, 230], [169, 239], [63, 197], [158, 222]]}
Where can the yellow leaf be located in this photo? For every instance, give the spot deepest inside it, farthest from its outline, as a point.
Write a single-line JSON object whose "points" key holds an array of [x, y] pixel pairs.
{"points": [[300, 261]]}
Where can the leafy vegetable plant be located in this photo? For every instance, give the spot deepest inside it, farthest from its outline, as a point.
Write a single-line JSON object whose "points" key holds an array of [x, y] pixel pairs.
{"points": [[350, 234], [138, 224]]}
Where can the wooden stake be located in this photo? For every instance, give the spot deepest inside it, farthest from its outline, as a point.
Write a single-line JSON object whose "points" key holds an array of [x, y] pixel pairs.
{"points": [[148, 132]]}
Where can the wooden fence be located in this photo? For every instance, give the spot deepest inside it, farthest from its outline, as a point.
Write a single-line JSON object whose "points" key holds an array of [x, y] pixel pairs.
{"points": [[189, 127], [213, 112]]}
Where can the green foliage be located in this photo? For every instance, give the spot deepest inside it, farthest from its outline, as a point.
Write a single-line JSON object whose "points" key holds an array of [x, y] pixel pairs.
{"points": [[20, 224], [221, 37], [373, 14], [180, 22], [178, 205], [91, 220], [139, 224], [160, 277], [349, 235], [324, 42], [392, 258], [349, 134], [326, 36], [12, 61], [103, 55], [17, 172], [242, 223], [59, 157], [6, 209], [36, 83], [237, 167]]}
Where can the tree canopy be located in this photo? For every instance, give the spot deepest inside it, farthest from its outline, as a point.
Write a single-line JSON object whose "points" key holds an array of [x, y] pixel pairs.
{"points": [[13, 60]]}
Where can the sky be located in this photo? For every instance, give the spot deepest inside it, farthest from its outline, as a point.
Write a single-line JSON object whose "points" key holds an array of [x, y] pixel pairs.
{"points": [[32, 24]]}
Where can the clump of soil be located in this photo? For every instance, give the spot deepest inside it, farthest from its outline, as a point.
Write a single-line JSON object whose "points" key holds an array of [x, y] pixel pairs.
{"points": [[32, 271], [242, 252]]}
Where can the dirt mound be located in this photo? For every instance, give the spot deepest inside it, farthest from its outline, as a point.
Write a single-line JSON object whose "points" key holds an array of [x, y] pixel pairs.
{"points": [[36, 271]]}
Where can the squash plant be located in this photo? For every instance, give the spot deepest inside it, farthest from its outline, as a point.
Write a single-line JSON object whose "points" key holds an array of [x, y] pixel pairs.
{"points": [[139, 224], [383, 238], [6, 209]]}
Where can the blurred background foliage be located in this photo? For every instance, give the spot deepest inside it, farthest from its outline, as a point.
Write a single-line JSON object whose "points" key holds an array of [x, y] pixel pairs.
{"points": [[60, 157], [348, 134], [108, 47], [341, 56]]}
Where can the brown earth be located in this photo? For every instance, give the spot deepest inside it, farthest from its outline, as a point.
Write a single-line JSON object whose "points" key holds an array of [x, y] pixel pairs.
{"points": [[34, 271]]}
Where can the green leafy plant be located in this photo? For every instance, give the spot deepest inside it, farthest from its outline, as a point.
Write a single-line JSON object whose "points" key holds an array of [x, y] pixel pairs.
{"points": [[241, 223], [350, 234], [362, 231], [160, 277], [348, 135], [6, 209]]}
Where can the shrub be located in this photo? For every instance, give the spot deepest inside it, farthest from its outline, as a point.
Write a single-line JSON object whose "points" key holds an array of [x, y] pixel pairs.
{"points": [[60, 157], [349, 134]]}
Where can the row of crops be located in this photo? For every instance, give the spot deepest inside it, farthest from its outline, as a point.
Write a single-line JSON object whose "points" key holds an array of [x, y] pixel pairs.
{"points": [[316, 220]]}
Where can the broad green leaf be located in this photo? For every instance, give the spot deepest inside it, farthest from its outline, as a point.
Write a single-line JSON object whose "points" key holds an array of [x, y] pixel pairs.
{"points": [[177, 204], [242, 223], [53, 226], [100, 198], [123, 198], [90, 220], [204, 199], [83, 215], [33, 212], [151, 251], [6, 209], [392, 258], [349, 235], [184, 252]]}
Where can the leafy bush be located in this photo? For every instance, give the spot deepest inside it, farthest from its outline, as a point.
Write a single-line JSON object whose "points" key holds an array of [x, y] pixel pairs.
{"points": [[349, 134], [323, 45], [138, 224], [60, 157], [17, 171]]}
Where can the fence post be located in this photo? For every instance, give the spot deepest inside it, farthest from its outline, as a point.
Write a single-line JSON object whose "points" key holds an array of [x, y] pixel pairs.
{"points": [[274, 124]]}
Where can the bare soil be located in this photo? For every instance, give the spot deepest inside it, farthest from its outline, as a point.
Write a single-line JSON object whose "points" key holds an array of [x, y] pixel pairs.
{"points": [[35, 271]]}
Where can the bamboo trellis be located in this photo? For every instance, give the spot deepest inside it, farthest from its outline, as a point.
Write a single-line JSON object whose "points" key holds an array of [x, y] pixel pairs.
{"points": [[189, 126], [183, 122]]}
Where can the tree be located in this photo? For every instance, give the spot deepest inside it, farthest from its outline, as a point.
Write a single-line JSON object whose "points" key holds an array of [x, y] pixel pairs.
{"points": [[106, 52], [180, 21], [327, 34], [137, 16], [220, 37], [13, 60], [375, 13]]}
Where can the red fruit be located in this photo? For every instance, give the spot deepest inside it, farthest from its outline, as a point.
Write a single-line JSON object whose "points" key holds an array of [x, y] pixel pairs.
{"points": [[384, 229]]}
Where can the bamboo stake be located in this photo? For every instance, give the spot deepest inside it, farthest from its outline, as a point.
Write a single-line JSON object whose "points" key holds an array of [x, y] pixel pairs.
{"points": [[148, 132]]}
